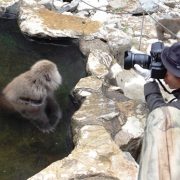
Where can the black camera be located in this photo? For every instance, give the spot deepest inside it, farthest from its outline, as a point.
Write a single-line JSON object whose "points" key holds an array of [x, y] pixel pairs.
{"points": [[152, 62]]}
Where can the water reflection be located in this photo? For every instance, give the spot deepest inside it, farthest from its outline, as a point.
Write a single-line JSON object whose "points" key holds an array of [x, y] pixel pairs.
{"points": [[24, 150]]}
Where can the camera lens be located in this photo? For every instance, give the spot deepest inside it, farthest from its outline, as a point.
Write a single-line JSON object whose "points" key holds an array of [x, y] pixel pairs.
{"points": [[128, 62], [130, 59]]}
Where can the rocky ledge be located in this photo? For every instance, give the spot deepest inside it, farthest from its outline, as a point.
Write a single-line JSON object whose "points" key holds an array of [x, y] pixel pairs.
{"points": [[109, 125]]}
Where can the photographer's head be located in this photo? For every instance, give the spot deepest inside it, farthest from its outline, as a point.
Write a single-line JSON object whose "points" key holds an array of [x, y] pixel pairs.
{"points": [[171, 60]]}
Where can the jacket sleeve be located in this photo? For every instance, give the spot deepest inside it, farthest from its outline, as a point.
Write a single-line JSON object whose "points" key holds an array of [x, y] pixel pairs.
{"points": [[153, 95]]}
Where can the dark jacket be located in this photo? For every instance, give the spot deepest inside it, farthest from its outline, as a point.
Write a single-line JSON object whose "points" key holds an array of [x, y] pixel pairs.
{"points": [[155, 99]]}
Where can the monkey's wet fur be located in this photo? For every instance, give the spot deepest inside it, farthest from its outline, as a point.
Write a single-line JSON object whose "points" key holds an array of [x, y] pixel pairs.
{"points": [[32, 95]]}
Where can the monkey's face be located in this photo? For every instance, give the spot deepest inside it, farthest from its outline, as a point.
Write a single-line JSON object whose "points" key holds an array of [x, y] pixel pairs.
{"points": [[46, 74], [52, 80]]}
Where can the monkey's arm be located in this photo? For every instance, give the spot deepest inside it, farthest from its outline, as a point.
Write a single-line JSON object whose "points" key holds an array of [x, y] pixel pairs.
{"points": [[53, 110], [4, 103]]}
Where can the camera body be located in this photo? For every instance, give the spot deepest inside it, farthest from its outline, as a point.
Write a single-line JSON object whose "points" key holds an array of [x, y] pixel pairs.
{"points": [[152, 62]]}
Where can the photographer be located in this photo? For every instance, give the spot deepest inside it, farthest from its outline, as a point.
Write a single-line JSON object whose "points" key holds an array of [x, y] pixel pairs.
{"points": [[170, 58], [160, 153]]}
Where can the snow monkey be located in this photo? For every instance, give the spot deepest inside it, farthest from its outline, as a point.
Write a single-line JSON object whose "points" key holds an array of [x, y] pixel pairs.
{"points": [[32, 95], [173, 24]]}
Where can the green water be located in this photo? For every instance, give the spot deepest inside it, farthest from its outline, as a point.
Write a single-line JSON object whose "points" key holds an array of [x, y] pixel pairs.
{"points": [[24, 150]]}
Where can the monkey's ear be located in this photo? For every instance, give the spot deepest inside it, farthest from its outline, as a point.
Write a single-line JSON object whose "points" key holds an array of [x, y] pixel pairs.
{"points": [[47, 77]]}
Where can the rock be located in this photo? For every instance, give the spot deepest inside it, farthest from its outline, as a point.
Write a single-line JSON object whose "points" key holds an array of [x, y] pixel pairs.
{"points": [[140, 12], [119, 42], [96, 157], [9, 9], [88, 4], [92, 113], [99, 63], [64, 6], [39, 22], [149, 5], [117, 4], [89, 46], [128, 80], [130, 136], [85, 87]]}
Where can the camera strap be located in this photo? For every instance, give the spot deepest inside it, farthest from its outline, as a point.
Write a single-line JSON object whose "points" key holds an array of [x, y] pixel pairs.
{"points": [[164, 87], [173, 92]]}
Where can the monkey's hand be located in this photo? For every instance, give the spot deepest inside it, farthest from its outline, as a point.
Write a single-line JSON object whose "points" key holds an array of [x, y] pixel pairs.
{"points": [[49, 119], [43, 127]]}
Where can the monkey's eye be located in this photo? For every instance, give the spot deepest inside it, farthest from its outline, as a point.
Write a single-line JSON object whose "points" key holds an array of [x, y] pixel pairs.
{"points": [[47, 77], [34, 81]]}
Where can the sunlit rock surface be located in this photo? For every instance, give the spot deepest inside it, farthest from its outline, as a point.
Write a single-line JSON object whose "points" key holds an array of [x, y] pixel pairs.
{"points": [[97, 110], [98, 63], [96, 155], [83, 88], [37, 20], [41, 22], [88, 46]]}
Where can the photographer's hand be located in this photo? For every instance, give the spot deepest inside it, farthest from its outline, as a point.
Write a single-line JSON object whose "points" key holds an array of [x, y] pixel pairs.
{"points": [[143, 72]]}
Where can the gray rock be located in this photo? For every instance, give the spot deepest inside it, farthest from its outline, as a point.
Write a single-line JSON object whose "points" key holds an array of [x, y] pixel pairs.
{"points": [[9, 9], [96, 157]]}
